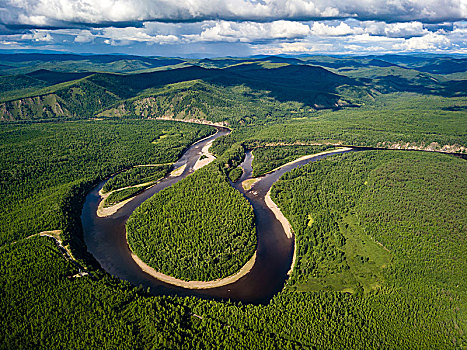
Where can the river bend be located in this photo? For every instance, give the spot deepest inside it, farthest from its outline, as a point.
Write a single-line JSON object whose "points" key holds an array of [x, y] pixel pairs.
{"points": [[105, 237]]}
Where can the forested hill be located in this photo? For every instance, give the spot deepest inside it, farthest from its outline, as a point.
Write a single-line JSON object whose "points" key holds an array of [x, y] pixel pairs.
{"points": [[48, 94], [238, 91]]}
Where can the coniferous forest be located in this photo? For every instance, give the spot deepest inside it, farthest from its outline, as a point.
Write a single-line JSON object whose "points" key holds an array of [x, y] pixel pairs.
{"points": [[380, 235], [199, 229]]}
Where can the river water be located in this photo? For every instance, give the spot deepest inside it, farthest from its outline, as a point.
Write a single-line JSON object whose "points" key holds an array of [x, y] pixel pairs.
{"points": [[105, 237]]}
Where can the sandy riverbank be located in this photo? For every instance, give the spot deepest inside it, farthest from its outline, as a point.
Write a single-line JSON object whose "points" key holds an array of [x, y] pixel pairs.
{"points": [[249, 265], [209, 157], [249, 183], [277, 212], [195, 284], [308, 157], [177, 172], [102, 211], [285, 224]]}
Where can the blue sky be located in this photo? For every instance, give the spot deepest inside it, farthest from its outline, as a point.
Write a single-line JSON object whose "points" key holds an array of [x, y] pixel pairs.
{"points": [[204, 28]]}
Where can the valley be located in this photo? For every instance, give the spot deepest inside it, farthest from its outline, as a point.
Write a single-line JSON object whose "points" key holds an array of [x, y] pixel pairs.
{"points": [[308, 202]]}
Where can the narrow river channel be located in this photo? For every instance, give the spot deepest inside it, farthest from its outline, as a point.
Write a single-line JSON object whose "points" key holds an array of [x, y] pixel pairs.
{"points": [[105, 237]]}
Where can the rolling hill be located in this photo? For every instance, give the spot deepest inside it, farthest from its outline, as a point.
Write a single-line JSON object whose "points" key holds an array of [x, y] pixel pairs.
{"points": [[228, 89], [93, 93]]}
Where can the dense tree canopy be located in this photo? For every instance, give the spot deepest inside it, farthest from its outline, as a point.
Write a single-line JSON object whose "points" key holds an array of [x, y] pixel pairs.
{"points": [[44, 167], [198, 229]]}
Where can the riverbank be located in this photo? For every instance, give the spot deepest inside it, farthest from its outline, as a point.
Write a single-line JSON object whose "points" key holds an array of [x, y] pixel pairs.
{"points": [[209, 157], [308, 156], [287, 228], [262, 276], [278, 213], [103, 211], [221, 282]]}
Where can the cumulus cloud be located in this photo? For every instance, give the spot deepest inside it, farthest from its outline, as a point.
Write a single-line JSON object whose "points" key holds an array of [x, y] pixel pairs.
{"points": [[38, 35], [84, 36], [262, 26], [431, 41], [250, 31], [297, 47], [125, 35], [396, 30], [105, 12], [353, 27], [320, 28]]}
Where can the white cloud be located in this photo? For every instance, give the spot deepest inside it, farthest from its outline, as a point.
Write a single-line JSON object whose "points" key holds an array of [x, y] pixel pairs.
{"points": [[5, 42], [297, 47], [322, 29], [396, 30], [250, 31], [62, 12], [38, 35], [84, 36], [431, 41], [281, 36], [149, 33], [133, 34]]}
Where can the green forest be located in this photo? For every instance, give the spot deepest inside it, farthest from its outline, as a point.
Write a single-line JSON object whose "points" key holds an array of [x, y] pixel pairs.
{"points": [[380, 235], [44, 307], [381, 305], [46, 168], [382, 223], [135, 176], [397, 120], [179, 231], [269, 158]]}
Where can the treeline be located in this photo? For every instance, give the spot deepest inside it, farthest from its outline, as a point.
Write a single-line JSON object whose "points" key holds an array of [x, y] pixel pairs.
{"points": [[334, 320], [45, 307], [135, 176], [269, 158], [46, 168], [198, 229]]}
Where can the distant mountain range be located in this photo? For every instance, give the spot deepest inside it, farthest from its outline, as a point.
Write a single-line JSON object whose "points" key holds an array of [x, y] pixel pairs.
{"points": [[45, 86]]}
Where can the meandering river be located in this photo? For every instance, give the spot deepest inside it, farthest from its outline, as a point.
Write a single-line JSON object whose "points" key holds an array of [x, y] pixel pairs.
{"points": [[105, 237]]}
